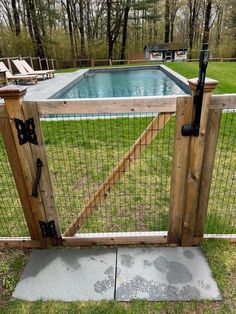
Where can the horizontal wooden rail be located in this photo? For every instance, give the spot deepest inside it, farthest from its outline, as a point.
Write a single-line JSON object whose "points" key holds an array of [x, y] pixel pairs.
{"points": [[20, 243], [121, 105], [119, 238], [224, 101], [106, 105], [113, 238]]}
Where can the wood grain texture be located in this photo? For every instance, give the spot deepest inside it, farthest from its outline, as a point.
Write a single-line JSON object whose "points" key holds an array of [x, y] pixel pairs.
{"points": [[179, 170], [194, 171], [122, 238], [3, 112], [26, 160], [225, 101], [213, 127], [107, 105], [45, 185], [123, 166], [19, 243], [5, 129]]}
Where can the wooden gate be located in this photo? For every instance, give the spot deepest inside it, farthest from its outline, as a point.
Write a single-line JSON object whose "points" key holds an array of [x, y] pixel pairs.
{"points": [[192, 164]]}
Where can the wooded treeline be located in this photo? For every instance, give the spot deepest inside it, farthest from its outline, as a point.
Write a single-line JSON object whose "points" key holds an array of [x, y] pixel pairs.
{"points": [[115, 29]]}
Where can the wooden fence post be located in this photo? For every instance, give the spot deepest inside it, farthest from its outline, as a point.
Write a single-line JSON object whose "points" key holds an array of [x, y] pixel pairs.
{"points": [[45, 185], [33, 207], [195, 162], [179, 170]]}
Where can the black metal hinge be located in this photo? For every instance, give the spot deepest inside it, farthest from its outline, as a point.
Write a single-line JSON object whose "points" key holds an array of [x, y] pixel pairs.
{"points": [[26, 131], [48, 229]]}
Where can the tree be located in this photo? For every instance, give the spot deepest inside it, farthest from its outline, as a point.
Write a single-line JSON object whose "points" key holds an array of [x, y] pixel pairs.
{"points": [[81, 28], [174, 7], [114, 18], [70, 27], [207, 22], [16, 18], [194, 7], [125, 28], [167, 21]]}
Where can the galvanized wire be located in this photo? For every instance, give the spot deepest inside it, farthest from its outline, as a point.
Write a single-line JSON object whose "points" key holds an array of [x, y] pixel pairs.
{"points": [[83, 149], [221, 216], [12, 221]]}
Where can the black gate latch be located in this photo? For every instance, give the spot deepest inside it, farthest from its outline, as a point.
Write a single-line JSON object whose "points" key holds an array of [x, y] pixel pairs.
{"points": [[39, 165], [193, 129], [26, 131], [48, 229]]}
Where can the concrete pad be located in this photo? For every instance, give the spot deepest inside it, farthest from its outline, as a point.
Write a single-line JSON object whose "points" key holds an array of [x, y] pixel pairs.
{"points": [[175, 274], [68, 275]]}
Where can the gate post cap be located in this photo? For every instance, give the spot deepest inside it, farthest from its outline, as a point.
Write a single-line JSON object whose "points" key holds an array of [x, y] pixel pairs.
{"points": [[12, 91], [210, 84]]}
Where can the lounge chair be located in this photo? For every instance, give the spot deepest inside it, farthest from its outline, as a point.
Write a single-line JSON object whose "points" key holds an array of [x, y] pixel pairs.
{"points": [[24, 68], [17, 77]]}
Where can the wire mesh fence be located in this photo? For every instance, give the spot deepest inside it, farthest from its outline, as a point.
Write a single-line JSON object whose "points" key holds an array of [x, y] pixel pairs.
{"points": [[82, 152], [12, 221], [221, 216]]}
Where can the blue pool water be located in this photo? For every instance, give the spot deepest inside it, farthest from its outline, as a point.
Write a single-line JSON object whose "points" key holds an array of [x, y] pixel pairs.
{"points": [[123, 83]]}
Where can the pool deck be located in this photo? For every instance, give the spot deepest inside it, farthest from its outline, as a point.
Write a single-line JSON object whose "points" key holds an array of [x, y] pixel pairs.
{"points": [[47, 88]]}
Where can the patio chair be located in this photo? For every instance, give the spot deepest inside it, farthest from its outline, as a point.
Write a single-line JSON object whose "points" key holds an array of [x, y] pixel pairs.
{"points": [[17, 77], [24, 68]]}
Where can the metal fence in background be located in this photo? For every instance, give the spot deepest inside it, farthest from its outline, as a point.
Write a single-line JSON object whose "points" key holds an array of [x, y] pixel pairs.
{"points": [[12, 220], [221, 216]]}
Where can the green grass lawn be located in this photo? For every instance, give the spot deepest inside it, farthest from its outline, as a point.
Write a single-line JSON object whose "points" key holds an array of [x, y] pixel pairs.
{"points": [[221, 256], [81, 154], [224, 72]]}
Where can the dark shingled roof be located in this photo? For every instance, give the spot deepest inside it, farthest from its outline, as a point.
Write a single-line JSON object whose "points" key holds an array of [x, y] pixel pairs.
{"points": [[166, 46]]}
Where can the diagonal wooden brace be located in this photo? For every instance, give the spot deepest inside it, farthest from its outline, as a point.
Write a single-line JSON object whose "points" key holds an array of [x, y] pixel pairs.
{"points": [[123, 166]]}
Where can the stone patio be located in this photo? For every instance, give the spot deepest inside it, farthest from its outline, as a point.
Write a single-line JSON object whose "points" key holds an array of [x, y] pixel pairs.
{"points": [[126, 273]]}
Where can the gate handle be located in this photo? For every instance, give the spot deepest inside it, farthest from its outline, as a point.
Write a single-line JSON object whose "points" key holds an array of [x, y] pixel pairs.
{"points": [[39, 165]]}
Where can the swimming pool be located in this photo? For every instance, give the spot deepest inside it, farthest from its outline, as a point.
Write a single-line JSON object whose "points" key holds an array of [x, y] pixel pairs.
{"points": [[124, 82]]}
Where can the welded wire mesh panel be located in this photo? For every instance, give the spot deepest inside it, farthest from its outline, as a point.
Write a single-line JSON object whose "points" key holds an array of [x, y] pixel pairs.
{"points": [[12, 221], [83, 151], [221, 216]]}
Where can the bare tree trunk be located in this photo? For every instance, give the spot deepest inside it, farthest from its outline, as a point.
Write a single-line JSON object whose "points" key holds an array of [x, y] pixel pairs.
{"points": [[219, 27], [174, 7], [89, 28], [206, 32], [16, 17], [194, 6], [114, 18], [70, 27], [167, 21], [29, 24], [125, 29], [109, 34], [81, 28]]}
